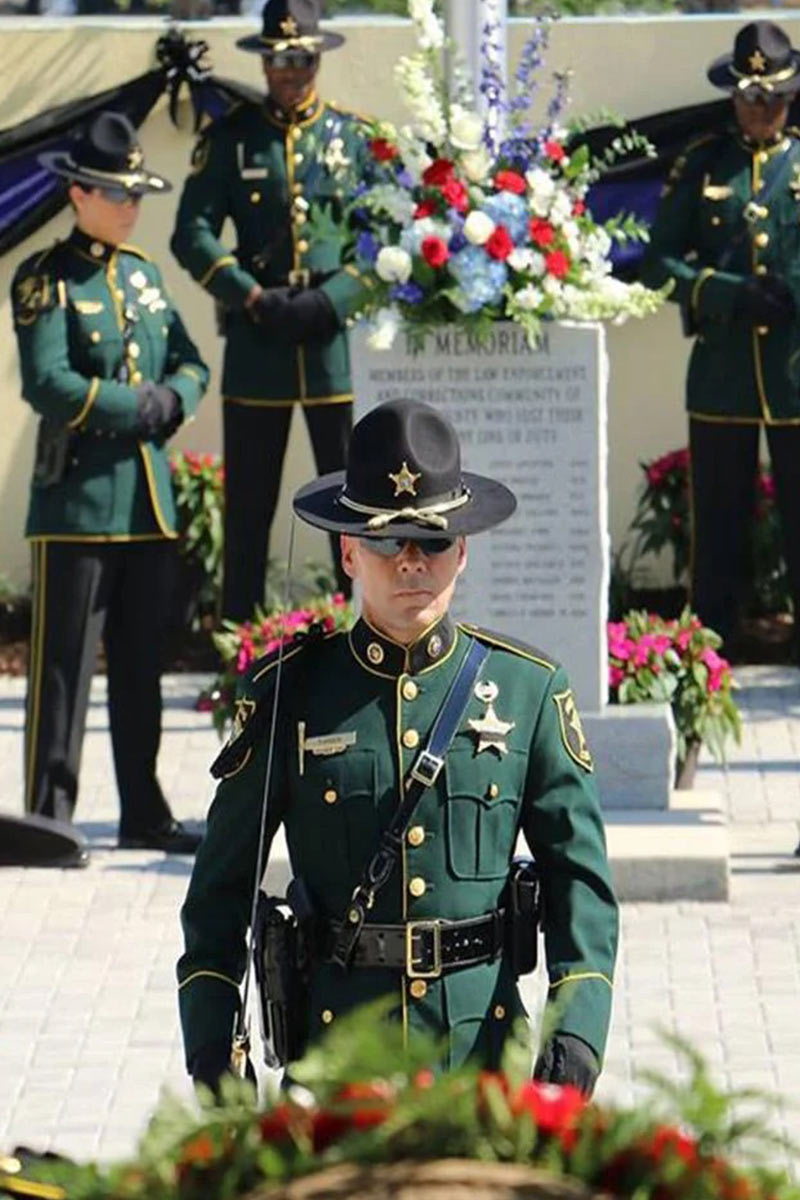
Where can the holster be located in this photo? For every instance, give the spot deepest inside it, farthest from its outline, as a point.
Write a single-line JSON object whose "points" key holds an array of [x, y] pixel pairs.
{"points": [[52, 453], [283, 945], [523, 916]]}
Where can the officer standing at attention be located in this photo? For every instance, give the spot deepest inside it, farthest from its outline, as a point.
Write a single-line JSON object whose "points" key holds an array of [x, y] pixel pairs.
{"points": [[727, 235], [355, 716], [109, 367], [284, 296]]}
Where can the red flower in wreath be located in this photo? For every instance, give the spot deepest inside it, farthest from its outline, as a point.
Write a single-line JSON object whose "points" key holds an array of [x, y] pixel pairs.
{"points": [[499, 245], [434, 251], [510, 181], [438, 173], [425, 208], [556, 263], [456, 195], [541, 231], [555, 151], [383, 150]]}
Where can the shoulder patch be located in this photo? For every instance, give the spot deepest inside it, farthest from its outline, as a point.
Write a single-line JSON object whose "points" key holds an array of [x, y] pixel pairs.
{"points": [[253, 709], [503, 642], [572, 734], [33, 295], [682, 162]]}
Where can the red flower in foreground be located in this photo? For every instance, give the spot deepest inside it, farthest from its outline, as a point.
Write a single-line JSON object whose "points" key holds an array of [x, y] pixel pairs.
{"points": [[383, 150], [434, 251], [438, 172], [556, 263], [276, 1125], [555, 151], [541, 231], [578, 208], [425, 208], [456, 195], [499, 245], [510, 181], [668, 1144], [555, 1109]]}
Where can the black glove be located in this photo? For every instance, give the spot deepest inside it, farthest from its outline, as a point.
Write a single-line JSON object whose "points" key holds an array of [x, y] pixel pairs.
{"points": [[158, 409], [568, 1059], [212, 1062], [765, 300], [295, 316]]}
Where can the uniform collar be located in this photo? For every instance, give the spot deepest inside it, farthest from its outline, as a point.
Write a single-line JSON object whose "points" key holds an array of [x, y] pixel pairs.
{"points": [[776, 145], [382, 656], [93, 248], [300, 116]]}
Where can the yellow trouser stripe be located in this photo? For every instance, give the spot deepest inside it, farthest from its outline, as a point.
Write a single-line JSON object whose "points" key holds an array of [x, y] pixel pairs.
{"points": [[35, 669]]}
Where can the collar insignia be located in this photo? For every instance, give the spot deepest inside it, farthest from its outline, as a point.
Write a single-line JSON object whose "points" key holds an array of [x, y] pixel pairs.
{"points": [[404, 480], [490, 728], [756, 62], [572, 734]]}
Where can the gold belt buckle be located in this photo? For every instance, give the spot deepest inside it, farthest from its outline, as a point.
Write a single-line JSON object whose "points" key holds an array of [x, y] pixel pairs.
{"points": [[415, 929], [299, 277]]}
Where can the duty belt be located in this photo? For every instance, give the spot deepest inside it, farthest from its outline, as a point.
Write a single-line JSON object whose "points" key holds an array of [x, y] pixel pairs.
{"points": [[428, 949]]}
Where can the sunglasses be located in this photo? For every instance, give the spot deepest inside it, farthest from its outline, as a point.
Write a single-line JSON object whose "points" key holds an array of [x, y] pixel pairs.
{"points": [[292, 60], [119, 195], [754, 95], [390, 547]]}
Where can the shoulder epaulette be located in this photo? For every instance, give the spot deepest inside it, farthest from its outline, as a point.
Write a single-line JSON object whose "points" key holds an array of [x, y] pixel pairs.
{"points": [[679, 165], [137, 250], [502, 641], [253, 711], [348, 112]]}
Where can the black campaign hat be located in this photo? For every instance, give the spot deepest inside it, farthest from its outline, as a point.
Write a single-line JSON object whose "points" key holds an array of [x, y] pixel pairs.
{"points": [[404, 480], [107, 155], [291, 25], [762, 58]]}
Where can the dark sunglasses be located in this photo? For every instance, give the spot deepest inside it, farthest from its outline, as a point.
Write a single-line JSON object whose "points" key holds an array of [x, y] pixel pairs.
{"points": [[291, 60], [390, 547], [754, 95], [119, 195]]}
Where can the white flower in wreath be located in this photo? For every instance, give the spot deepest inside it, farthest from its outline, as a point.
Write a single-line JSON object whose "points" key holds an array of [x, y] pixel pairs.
{"points": [[612, 289], [542, 189], [334, 157], [560, 209], [478, 227], [529, 298], [393, 264], [397, 203], [552, 287], [466, 128], [430, 31], [383, 329], [529, 261], [476, 164]]}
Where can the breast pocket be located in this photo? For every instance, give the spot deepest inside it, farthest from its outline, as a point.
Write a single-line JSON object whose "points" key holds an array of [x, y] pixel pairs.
{"points": [[484, 794], [338, 800]]}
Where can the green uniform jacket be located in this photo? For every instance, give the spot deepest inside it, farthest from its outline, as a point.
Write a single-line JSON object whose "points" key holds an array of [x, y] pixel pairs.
{"points": [[266, 173], [88, 315], [737, 371], [457, 852]]}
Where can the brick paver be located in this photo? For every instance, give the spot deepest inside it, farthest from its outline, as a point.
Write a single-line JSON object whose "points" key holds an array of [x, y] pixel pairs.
{"points": [[88, 1021]]}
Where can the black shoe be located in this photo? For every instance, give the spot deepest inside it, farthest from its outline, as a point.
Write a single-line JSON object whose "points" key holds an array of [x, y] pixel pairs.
{"points": [[172, 838], [797, 851]]}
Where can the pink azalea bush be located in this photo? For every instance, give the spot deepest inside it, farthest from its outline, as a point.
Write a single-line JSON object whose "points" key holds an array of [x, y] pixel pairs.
{"points": [[678, 661], [240, 645]]}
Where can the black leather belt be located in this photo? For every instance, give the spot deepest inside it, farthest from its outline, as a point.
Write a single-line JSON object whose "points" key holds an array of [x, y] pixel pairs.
{"points": [[299, 277], [428, 949]]}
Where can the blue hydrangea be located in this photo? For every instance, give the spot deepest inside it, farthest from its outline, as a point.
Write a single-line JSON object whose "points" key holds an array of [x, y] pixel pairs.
{"points": [[411, 292], [367, 247], [481, 279], [511, 210]]}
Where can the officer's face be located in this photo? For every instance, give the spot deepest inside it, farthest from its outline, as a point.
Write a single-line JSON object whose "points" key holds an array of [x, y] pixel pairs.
{"points": [[109, 220], [290, 84], [403, 595], [760, 117]]}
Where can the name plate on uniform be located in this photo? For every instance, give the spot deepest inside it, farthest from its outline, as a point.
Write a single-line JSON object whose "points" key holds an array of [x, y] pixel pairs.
{"points": [[535, 419]]}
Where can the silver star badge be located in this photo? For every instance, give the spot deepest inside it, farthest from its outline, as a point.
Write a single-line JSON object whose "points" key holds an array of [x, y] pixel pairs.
{"points": [[491, 731]]}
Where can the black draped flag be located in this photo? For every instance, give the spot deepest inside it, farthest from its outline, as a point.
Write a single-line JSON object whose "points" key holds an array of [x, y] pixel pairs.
{"points": [[31, 195]]}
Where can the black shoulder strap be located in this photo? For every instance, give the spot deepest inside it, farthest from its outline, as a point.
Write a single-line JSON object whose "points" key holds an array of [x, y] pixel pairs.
{"points": [[424, 773]]}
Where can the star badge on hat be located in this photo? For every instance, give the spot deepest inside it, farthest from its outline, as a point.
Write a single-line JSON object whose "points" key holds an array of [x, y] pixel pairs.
{"points": [[289, 27], [756, 62], [404, 480]]}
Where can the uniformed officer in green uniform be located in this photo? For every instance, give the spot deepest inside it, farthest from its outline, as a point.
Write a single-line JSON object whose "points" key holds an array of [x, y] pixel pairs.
{"points": [[728, 235], [354, 710], [284, 294], [111, 372]]}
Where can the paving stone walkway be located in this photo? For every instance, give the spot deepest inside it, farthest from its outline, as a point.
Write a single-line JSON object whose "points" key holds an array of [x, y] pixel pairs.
{"points": [[88, 1021]]}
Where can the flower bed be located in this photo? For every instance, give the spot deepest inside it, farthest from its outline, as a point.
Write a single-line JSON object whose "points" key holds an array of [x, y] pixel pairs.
{"points": [[198, 486], [650, 658]]}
